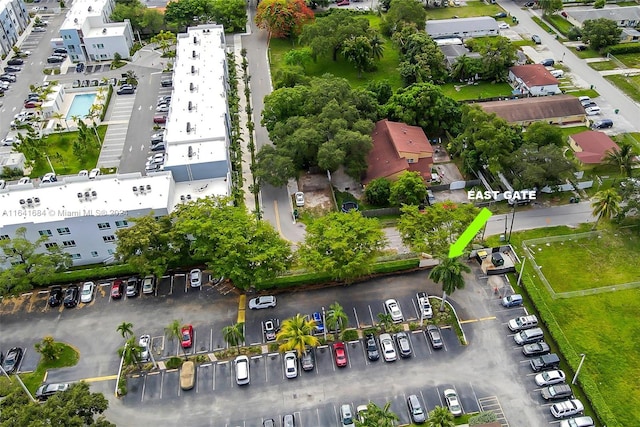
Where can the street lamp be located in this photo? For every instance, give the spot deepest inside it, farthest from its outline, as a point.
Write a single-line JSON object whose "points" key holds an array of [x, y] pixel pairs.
{"points": [[575, 377]]}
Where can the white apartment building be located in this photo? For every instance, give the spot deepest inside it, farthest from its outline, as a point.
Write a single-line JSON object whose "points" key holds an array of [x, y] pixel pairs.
{"points": [[88, 35], [198, 125], [14, 18], [82, 215]]}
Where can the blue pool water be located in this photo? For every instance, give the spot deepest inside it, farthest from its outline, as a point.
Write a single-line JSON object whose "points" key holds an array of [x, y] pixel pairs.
{"points": [[81, 105]]}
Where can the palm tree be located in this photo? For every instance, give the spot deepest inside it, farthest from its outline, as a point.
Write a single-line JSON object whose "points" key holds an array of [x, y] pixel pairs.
{"points": [[606, 205], [131, 78], [449, 273], [378, 417], [60, 117], [234, 334], [385, 321], [125, 329], [297, 333], [174, 330], [440, 417], [129, 352], [337, 320], [624, 158], [377, 46]]}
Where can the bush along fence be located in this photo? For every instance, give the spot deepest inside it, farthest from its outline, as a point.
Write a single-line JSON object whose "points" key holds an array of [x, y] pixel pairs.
{"points": [[235, 150]]}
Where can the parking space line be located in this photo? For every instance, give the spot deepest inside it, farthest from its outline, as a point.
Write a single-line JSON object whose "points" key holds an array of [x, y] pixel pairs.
{"points": [[144, 386], [162, 384], [364, 353]]}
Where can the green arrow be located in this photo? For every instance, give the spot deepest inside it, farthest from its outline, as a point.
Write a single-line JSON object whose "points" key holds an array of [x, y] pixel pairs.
{"points": [[465, 238]]}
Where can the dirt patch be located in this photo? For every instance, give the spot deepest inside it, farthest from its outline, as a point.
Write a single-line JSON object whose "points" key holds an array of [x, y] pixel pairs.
{"points": [[318, 196]]}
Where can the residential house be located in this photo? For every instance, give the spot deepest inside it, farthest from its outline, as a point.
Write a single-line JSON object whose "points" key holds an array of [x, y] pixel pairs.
{"points": [[591, 147], [14, 19], [558, 109], [454, 51], [628, 16], [398, 147], [534, 80], [464, 28]]}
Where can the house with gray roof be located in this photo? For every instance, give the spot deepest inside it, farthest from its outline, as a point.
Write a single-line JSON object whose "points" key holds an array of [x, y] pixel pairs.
{"points": [[454, 51], [623, 16], [463, 28]]}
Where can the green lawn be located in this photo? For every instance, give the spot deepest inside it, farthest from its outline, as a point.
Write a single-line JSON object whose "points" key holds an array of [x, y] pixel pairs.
{"points": [[603, 65], [629, 85], [387, 67], [568, 131], [560, 23], [472, 9], [59, 149], [69, 356], [589, 53], [601, 326], [631, 60], [631, 138], [461, 92], [543, 25]]}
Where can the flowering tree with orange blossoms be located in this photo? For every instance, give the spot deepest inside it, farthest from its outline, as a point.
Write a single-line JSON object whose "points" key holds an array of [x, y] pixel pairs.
{"points": [[283, 18]]}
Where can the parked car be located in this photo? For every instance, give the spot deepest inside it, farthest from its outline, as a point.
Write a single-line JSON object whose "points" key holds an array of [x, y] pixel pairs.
{"points": [[290, 364], [71, 296], [581, 47], [12, 360], [162, 108], [453, 403], [346, 415], [529, 4], [195, 278], [157, 138], [557, 73], [503, 26], [424, 306], [270, 328], [299, 199], [79, 67], [592, 111], [404, 347], [148, 285], [9, 77], [415, 409], [372, 347], [523, 322], [12, 69], [133, 287], [187, 336], [567, 408], [535, 349], [49, 177], [243, 374], [288, 421], [393, 309], [349, 206], [308, 359], [343, 3], [500, 15], [433, 332], [550, 377], [317, 318], [87, 292], [548, 62], [514, 300], [144, 343], [556, 392], [45, 391], [126, 90], [55, 296], [264, 301], [32, 104], [117, 288], [545, 362], [536, 39], [340, 354], [60, 50], [54, 59], [388, 349], [160, 118], [166, 83], [94, 173], [578, 422], [158, 147], [602, 124], [15, 61], [187, 375]]}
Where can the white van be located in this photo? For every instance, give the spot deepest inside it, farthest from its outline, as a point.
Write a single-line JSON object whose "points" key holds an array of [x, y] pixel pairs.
{"points": [[557, 73], [242, 370]]}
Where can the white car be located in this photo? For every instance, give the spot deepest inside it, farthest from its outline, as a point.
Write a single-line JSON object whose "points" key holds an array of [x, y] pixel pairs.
{"points": [[299, 199], [8, 141], [393, 309], [503, 26], [388, 349], [550, 377], [451, 397], [83, 172], [95, 172], [592, 111], [24, 180], [290, 365], [195, 278], [49, 177], [86, 295], [265, 301], [424, 306], [144, 342]]}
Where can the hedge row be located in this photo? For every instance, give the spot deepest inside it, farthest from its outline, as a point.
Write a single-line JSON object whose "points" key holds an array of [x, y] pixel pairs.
{"points": [[587, 384], [95, 273], [619, 49], [291, 281]]}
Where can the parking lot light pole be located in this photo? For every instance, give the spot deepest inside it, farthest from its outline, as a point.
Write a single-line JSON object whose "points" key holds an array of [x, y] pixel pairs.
{"points": [[575, 377], [324, 324], [24, 387]]}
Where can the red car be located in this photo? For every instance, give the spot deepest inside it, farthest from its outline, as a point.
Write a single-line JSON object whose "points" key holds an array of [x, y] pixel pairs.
{"points": [[340, 354], [187, 336], [160, 119], [116, 289], [343, 3], [32, 104]]}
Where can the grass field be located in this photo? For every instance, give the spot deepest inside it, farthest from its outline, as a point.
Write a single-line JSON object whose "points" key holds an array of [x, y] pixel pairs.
{"points": [[629, 85], [387, 67], [631, 138], [603, 65], [631, 60], [461, 92], [473, 8], [602, 326], [589, 53], [560, 23]]}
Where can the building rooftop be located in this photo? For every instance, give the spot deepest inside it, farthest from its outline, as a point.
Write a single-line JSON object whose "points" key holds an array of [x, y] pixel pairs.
{"points": [[106, 30], [198, 111], [619, 14], [594, 145], [534, 75], [534, 109], [461, 26], [189, 190], [196, 152], [80, 11]]}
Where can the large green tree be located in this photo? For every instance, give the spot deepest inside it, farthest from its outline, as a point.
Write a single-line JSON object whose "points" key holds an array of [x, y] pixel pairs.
{"points": [[233, 242], [531, 166], [466, 67], [543, 133], [550, 6], [283, 18], [233, 334], [327, 35], [377, 192], [421, 58], [232, 14], [296, 333], [359, 52], [497, 57], [600, 33], [624, 158], [403, 13], [337, 320], [606, 204], [408, 189], [440, 417], [181, 13], [449, 272], [436, 228], [425, 105], [29, 263], [344, 245], [131, 10]]}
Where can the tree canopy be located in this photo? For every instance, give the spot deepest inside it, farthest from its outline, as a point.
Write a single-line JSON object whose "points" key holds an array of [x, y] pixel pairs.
{"points": [[327, 35], [421, 58], [537, 167], [342, 244], [403, 13], [283, 18], [408, 189], [600, 33], [543, 133], [229, 13], [377, 192]]}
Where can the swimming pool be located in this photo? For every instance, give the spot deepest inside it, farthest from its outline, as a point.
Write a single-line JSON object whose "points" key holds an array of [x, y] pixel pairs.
{"points": [[81, 105]]}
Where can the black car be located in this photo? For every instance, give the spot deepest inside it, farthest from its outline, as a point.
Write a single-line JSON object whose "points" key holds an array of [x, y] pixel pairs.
{"points": [[12, 69], [55, 59], [158, 147], [15, 61], [12, 361], [535, 348], [372, 348], [8, 78], [166, 83], [80, 67], [404, 347], [55, 296], [501, 15], [545, 362], [556, 392], [60, 50], [529, 4], [71, 296], [308, 359], [548, 62], [581, 47]]}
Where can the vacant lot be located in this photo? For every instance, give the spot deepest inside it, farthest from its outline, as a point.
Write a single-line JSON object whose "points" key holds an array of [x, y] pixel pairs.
{"points": [[482, 90], [473, 8], [604, 327], [629, 85]]}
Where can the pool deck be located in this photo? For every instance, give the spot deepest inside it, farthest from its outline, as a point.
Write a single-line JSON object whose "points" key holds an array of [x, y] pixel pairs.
{"points": [[65, 106]]}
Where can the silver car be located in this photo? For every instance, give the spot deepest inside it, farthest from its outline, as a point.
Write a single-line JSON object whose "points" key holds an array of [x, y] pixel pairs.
{"points": [[265, 301], [388, 349], [145, 341], [195, 278]]}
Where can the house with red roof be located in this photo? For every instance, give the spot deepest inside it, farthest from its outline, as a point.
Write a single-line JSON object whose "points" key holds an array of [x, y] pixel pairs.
{"points": [[534, 80], [591, 147], [398, 147]]}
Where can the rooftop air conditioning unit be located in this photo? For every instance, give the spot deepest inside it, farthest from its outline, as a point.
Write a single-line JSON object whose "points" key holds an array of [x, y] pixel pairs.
{"points": [[79, 195], [188, 196], [94, 193], [148, 187], [190, 151], [87, 195], [190, 105], [188, 127], [36, 200], [192, 87], [193, 54], [135, 189], [23, 201], [182, 198], [30, 201], [195, 40], [193, 69]]}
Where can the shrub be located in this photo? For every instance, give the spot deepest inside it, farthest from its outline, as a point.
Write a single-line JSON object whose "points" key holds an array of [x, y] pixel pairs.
{"points": [[106, 102], [174, 362], [377, 192], [368, 331], [48, 349], [122, 386], [413, 326], [619, 49], [350, 335], [599, 4], [273, 347], [483, 418], [574, 33]]}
